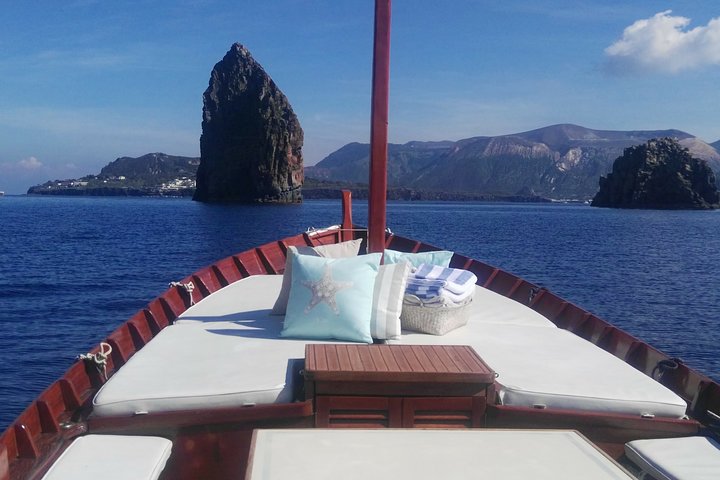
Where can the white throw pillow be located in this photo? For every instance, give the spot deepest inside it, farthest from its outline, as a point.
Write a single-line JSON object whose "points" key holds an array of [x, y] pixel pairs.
{"points": [[388, 300], [335, 250]]}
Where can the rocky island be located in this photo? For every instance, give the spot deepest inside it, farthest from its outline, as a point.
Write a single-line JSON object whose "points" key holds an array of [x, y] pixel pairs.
{"points": [[660, 174], [251, 143]]}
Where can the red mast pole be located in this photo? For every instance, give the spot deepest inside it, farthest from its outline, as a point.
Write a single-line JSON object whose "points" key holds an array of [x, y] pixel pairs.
{"points": [[379, 128]]}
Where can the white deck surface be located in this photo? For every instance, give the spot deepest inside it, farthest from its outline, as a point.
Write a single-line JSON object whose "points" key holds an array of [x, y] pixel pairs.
{"points": [[427, 454], [226, 351]]}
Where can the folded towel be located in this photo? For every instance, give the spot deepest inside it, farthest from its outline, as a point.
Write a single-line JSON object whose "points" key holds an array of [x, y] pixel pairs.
{"points": [[429, 290], [455, 280], [436, 302], [424, 289], [435, 284]]}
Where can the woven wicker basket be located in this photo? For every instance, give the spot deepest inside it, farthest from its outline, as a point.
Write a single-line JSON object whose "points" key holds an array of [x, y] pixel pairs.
{"points": [[435, 320]]}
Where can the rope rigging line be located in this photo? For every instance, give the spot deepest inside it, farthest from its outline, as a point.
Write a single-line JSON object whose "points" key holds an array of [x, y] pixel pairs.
{"points": [[189, 287], [99, 359]]}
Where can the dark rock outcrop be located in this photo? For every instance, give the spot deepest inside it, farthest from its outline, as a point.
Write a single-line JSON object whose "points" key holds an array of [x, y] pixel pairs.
{"points": [[658, 174], [251, 141]]}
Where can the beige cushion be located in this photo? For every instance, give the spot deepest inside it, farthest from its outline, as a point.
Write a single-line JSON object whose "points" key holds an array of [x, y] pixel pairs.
{"points": [[397, 454], [336, 250], [696, 458], [112, 457]]}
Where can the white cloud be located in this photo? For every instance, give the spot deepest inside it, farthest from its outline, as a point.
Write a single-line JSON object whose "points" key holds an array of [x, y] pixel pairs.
{"points": [[30, 163], [663, 43]]}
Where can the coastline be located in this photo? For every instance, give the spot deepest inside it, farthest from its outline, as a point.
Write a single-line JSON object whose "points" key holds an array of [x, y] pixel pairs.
{"points": [[405, 194]]}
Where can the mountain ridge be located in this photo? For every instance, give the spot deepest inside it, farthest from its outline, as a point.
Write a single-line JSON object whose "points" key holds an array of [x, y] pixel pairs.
{"points": [[563, 161]]}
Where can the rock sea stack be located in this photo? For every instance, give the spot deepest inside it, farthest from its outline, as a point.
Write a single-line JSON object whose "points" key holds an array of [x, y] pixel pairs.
{"points": [[660, 174], [251, 143]]}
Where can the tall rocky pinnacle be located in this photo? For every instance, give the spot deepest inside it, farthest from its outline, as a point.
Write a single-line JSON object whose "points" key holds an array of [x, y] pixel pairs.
{"points": [[251, 143], [659, 174]]}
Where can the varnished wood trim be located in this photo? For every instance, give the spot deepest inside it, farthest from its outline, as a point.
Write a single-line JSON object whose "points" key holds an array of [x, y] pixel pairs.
{"points": [[4, 463], [347, 225], [25, 444], [70, 395], [48, 423], [491, 278]]}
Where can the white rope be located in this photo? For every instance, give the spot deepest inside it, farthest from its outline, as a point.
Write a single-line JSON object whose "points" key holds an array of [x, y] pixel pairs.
{"points": [[314, 231], [99, 358], [189, 287]]}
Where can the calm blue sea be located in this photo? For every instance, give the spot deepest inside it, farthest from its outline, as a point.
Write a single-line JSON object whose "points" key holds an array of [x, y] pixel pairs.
{"points": [[73, 269]]}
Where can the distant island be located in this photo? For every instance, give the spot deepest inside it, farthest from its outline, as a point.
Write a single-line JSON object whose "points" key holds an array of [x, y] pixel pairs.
{"points": [[151, 175]]}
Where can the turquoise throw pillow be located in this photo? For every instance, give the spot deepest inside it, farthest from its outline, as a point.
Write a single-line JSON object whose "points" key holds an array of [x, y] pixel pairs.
{"points": [[331, 298], [438, 257]]}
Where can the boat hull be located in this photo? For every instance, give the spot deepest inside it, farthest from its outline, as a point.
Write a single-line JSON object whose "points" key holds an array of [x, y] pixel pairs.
{"points": [[214, 444]]}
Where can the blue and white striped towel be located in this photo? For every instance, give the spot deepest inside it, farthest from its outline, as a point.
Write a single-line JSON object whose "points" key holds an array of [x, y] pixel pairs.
{"points": [[424, 289], [431, 282], [456, 280]]}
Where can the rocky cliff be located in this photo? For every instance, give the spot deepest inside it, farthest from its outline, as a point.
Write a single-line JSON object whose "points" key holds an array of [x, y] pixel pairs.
{"points": [[560, 161], [659, 174], [251, 143]]}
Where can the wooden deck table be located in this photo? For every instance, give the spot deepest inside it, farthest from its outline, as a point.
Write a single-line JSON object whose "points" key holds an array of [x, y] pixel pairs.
{"points": [[441, 386]]}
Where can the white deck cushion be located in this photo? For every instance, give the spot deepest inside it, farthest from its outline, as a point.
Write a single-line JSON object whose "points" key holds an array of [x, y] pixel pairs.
{"points": [[205, 366], [491, 307], [224, 351], [689, 458], [555, 368], [112, 457], [243, 299], [427, 454]]}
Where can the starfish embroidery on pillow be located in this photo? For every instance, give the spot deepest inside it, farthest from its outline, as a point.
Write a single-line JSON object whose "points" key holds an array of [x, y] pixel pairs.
{"points": [[324, 290]]}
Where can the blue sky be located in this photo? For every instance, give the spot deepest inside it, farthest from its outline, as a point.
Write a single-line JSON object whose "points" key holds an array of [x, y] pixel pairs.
{"points": [[84, 82]]}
